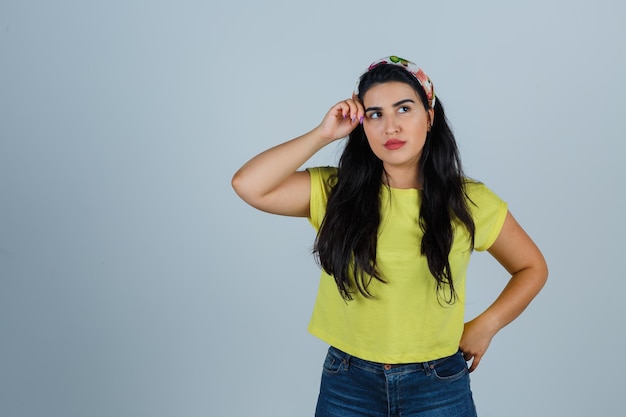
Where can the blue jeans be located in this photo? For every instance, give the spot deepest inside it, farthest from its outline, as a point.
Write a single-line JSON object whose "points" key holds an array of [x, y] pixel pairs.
{"points": [[354, 387]]}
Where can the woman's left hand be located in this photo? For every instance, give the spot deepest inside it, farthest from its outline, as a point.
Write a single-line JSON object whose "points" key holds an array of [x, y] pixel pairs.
{"points": [[475, 341], [517, 253]]}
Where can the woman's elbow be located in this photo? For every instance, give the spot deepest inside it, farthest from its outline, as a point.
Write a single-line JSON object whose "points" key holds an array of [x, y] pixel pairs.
{"points": [[242, 187], [236, 182]]}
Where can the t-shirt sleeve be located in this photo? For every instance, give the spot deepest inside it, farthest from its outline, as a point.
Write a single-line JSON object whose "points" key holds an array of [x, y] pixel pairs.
{"points": [[322, 179], [489, 212]]}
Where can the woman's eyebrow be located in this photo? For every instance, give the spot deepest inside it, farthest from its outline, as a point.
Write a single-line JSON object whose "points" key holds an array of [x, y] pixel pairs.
{"points": [[399, 103]]}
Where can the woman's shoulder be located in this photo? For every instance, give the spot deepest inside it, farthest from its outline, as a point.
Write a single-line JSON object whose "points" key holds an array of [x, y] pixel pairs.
{"points": [[326, 171], [475, 187], [480, 195], [323, 180], [326, 175], [488, 212]]}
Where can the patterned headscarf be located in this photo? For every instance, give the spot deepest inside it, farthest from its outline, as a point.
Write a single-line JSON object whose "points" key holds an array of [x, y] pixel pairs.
{"points": [[412, 69]]}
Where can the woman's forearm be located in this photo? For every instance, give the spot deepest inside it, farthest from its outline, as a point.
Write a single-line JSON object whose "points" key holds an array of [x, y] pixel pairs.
{"points": [[514, 298], [518, 254], [271, 168], [270, 181]]}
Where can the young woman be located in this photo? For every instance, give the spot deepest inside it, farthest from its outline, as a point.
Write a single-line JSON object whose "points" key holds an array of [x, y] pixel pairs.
{"points": [[397, 222]]}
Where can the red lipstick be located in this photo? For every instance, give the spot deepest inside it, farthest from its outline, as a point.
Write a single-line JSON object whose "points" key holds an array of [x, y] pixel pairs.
{"points": [[393, 144]]}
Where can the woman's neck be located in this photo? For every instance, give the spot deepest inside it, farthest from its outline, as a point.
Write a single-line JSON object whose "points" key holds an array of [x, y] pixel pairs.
{"points": [[400, 177]]}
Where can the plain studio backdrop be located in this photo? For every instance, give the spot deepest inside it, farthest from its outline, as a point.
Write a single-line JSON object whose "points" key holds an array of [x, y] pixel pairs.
{"points": [[134, 282]]}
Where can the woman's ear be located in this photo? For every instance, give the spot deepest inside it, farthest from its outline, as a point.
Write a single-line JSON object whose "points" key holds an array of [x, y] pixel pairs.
{"points": [[431, 117]]}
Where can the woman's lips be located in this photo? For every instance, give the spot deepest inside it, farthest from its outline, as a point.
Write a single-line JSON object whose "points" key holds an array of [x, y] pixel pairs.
{"points": [[392, 144]]}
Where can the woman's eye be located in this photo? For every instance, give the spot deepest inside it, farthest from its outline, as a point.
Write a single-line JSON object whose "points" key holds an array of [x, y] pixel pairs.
{"points": [[403, 109], [375, 115]]}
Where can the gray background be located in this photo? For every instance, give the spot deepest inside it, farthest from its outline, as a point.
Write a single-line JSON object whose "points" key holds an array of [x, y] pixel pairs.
{"points": [[133, 282]]}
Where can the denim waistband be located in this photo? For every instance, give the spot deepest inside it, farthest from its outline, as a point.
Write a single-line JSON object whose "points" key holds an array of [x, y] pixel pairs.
{"points": [[376, 366]]}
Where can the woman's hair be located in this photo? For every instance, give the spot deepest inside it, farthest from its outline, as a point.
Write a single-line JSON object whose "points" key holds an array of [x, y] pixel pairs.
{"points": [[346, 242]]}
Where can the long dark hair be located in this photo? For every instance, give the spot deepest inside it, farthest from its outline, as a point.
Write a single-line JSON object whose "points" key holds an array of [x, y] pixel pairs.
{"points": [[346, 243]]}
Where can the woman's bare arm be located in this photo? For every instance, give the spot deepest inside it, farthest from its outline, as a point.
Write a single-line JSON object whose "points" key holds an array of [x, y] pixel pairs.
{"points": [[519, 255], [270, 181]]}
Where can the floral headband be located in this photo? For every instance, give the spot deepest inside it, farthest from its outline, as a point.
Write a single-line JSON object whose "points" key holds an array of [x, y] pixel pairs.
{"points": [[413, 69]]}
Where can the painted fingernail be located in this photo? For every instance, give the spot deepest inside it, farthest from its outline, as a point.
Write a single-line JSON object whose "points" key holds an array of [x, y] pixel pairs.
{"points": [[361, 119]]}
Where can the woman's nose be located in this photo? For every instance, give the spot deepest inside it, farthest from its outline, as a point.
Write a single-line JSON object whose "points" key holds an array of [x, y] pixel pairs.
{"points": [[391, 125]]}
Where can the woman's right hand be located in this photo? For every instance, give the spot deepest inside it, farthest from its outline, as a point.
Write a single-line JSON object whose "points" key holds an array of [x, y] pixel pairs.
{"points": [[271, 181], [341, 119]]}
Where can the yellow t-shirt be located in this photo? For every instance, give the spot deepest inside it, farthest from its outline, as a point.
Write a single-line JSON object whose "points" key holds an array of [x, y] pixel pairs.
{"points": [[406, 322]]}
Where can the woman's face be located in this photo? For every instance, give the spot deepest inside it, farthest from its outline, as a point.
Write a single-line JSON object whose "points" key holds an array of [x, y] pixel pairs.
{"points": [[396, 124]]}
